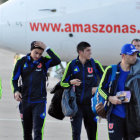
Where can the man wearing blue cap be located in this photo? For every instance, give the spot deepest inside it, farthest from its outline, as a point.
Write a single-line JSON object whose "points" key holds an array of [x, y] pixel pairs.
{"points": [[116, 116]]}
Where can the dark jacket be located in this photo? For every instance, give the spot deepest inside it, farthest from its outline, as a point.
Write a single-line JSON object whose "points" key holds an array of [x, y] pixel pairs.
{"points": [[133, 108], [88, 77], [55, 109], [33, 75]]}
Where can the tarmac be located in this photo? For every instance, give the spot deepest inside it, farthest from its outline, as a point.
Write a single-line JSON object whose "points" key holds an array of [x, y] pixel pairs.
{"points": [[10, 124]]}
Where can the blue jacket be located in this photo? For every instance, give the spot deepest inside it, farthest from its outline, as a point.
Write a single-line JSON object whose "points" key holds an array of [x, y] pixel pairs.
{"points": [[86, 73], [33, 74]]}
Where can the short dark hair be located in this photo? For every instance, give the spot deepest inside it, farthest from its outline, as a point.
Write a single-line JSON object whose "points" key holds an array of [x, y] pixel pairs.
{"points": [[137, 40], [82, 45], [37, 47]]}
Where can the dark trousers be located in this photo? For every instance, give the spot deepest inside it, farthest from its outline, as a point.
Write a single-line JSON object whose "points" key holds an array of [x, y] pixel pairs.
{"points": [[117, 128], [21, 113], [33, 119], [85, 113]]}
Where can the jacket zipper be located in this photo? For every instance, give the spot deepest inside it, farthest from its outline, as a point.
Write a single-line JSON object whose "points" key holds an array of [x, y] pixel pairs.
{"points": [[41, 86], [30, 88], [82, 96]]}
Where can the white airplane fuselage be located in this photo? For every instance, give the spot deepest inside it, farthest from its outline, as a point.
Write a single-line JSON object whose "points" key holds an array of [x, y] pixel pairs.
{"points": [[107, 25]]}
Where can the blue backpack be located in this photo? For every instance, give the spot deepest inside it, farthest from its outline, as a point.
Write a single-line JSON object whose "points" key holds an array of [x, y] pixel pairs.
{"points": [[97, 98]]}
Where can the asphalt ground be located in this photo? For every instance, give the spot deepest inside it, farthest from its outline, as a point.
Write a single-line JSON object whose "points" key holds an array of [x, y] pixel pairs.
{"points": [[10, 124]]}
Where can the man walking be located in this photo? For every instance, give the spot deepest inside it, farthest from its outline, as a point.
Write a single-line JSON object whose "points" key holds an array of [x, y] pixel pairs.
{"points": [[117, 116], [33, 71], [83, 73]]}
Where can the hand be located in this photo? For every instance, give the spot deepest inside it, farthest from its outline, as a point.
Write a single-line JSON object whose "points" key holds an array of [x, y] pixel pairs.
{"points": [[18, 96], [40, 44], [75, 82], [101, 110], [94, 90], [114, 100]]}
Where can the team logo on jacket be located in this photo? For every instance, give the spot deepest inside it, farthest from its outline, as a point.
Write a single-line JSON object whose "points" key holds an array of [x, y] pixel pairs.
{"points": [[25, 66], [76, 69], [110, 125], [43, 115], [90, 70], [39, 65]]}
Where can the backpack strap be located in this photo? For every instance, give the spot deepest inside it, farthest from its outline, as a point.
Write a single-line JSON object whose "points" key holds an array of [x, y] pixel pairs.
{"points": [[23, 60], [114, 70], [113, 75]]}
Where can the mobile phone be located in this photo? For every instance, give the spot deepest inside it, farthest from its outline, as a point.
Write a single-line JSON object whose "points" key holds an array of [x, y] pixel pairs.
{"points": [[122, 98]]}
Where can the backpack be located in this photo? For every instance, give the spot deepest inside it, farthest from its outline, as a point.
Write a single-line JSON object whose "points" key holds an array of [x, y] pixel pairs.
{"points": [[68, 103], [98, 103], [55, 109]]}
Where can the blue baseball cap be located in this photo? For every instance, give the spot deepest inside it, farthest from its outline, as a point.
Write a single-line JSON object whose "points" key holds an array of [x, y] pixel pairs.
{"points": [[128, 49]]}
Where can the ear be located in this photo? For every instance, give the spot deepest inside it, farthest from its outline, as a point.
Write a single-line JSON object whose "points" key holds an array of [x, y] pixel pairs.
{"points": [[80, 52]]}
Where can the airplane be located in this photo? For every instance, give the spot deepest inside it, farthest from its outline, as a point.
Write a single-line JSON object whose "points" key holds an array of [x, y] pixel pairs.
{"points": [[107, 25]]}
